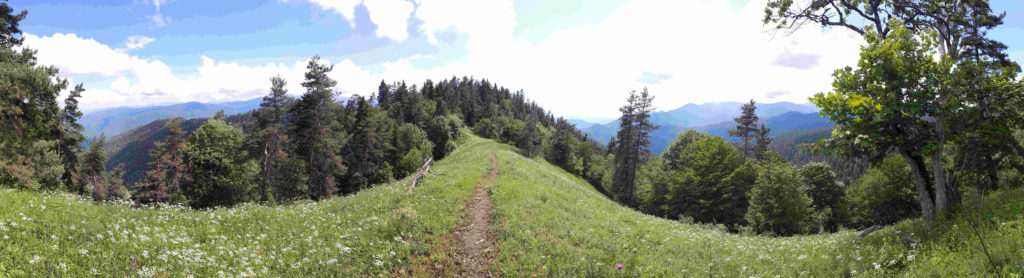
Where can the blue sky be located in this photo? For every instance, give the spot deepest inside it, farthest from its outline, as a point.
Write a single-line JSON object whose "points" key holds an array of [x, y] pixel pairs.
{"points": [[561, 53]]}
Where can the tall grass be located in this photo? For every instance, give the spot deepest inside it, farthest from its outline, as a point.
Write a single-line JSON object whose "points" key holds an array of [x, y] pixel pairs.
{"points": [[549, 223], [370, 232], [553, 224]]}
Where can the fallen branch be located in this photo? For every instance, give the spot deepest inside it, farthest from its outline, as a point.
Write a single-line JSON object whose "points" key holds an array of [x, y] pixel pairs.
{"points": [[868, 231], [423, 171]]}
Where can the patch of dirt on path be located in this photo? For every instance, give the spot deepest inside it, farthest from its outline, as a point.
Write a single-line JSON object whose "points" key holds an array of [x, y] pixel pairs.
{"points": [[470, 247]]}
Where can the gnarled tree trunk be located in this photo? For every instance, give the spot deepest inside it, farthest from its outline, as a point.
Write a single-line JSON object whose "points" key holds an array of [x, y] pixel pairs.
{"points": [[921, 183]]}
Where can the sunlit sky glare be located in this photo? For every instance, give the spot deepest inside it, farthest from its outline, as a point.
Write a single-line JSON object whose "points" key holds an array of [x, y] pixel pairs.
{"points": [[577, 58]]}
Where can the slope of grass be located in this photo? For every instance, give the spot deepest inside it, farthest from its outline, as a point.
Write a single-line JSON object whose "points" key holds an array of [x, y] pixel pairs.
{"points": [[371, 232], [553, 224], [549, 223]]}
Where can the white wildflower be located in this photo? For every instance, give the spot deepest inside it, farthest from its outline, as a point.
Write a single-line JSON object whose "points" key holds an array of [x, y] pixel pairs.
{"points": [[83, 252], [34, 260], [876, 265]]}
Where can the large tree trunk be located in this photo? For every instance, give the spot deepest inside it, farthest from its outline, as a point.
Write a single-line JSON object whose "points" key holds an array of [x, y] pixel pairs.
{"points": [[921, 183], [942, 193]]}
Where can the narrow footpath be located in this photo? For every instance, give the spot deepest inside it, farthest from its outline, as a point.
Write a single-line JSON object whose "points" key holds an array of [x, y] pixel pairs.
{"points": [[476, 244], [469, 248]]}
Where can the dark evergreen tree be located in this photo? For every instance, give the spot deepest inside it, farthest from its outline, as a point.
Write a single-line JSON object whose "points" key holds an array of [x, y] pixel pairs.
{"points": [[317, 140], [166, 167], [746, 127], [762, 141], [273, 142], [70, 142], [632, 145], [29, 113], [94, 170]]}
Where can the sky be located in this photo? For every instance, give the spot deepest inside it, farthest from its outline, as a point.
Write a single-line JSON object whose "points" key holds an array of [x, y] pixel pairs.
{"points": [[580, 59]]}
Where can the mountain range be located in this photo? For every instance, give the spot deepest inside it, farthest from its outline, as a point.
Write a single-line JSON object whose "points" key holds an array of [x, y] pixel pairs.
{"points": [[714, 118], [114, 121]]}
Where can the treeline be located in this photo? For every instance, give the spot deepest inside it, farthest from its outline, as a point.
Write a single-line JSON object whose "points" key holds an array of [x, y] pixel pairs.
{"points": [[317, 145], [933, 105], [705, 179]]}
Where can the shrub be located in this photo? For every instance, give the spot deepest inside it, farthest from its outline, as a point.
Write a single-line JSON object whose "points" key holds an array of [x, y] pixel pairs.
{"points": [[884, 194], [826, 194], [487, 129], [778, 201]]}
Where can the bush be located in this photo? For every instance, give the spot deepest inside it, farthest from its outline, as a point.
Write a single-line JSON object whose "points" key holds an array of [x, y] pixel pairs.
{"points": [[778, 201], [487, 129], [442, 131], [220, 174], [884, 194], [826, 194], [709, 184]]}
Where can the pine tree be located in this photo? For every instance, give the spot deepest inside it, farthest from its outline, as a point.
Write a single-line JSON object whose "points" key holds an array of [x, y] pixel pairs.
{"points": [[762, 142], [633, 140], [314, 130], [746, 127], [94, 169], [272, 140], [166, 166], [366, 149], [29, 112], [70, 142]]}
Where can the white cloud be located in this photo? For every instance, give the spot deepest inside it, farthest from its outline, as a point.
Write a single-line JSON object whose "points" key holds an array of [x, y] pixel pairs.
{"points": [[488, 23], [78, 56], [161, 20], [346, 8], [136, 42], [711, 52], [134, 81], [391, 17]]}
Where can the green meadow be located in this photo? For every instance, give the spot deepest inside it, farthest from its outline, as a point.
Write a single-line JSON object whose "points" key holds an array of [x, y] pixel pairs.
{"points": [[548, 223]]}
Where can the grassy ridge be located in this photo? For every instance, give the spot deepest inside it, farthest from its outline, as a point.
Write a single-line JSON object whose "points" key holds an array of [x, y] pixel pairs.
{"points": [[553, 224], [371, 232], [549, 223]]}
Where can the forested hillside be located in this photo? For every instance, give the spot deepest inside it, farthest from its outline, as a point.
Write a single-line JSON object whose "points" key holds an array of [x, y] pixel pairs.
{"points": [[114, 121]]}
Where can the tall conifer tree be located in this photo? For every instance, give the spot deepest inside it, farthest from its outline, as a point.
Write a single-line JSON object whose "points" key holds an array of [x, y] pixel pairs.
{"points": [[746, 127], [633, 140], [314, 130]]}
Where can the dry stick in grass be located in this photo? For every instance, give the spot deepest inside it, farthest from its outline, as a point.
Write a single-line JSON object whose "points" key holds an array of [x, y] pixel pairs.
{"points": [[423, 171]]}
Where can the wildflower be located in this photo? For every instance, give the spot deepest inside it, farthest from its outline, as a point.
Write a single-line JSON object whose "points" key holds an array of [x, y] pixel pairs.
{"points": [[876, 265], [34, 260], [378, 262], [62, 266], [83, 252], [619, 266], [910, 258], [853, 272], [54, 247]]}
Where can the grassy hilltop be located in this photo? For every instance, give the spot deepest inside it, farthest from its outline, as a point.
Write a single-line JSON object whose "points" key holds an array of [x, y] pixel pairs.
{"points": [[547, 222]]}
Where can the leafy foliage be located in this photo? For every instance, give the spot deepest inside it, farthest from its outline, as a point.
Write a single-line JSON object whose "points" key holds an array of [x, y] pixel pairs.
{"points": [[220, 174], [778, 201]]}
